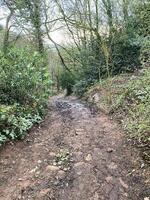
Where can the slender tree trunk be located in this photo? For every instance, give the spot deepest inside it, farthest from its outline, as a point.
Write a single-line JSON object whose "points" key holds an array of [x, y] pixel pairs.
{"points": [[37, 25], [6, 33], [125, 11]]}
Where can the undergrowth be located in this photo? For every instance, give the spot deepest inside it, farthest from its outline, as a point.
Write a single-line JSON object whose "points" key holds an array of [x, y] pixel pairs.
{"points": [[128, 99], [24, 91]]}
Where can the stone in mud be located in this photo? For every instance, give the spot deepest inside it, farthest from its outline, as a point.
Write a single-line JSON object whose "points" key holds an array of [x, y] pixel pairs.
{"points": [[110, 150], [34, 170], [52, 154], [79, 131], [39, 161], [112, 165], [44, 192], [109, 179], [96, 98], [52, 168], [61, 174], [88, 157], [79, 164], [123, 183]]}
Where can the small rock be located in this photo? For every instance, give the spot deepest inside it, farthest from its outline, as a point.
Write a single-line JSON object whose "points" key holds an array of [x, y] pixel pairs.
{"points": [[5, 171], [109, 179], [54, 163], [19, 197], [44, 192], [78, 164], [67, 184], [39, 161], [88, 157], [142, 165], [79, 131], [38, 172], [28, 140], [95, 98], [123, 183], [52, 154], [66, 169], [112, 166], [34, 170], [52, 168], [130, 173], [109, 150], [61, 174], [125, 194]]}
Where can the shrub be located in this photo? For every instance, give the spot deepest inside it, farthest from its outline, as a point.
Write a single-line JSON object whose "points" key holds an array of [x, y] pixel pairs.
{"points": [[145, 51], [23, 78], [15, 121], [24, 89], [67, 81], [125, 53], [142, 29], [80, 88]]}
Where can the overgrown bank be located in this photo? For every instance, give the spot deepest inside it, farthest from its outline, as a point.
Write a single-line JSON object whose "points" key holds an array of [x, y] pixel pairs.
{"points": [[24, 90], [128, 99], [123, 48]]}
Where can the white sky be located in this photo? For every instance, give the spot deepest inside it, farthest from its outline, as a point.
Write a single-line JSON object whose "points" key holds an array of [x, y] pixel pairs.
{"points": [[3, 14], [58, 36]]}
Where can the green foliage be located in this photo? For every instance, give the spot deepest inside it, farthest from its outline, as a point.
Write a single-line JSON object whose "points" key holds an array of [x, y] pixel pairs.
{"points": [[136, 104], [142, 29], [145, 52], [24, 89], [23, 78], [127, 98], [127, 49], [81, 87], [124, 57], [1, 27], [67, 81], [15, 121], [130, 103], [63, 159], [142, 13], [125, 53]]}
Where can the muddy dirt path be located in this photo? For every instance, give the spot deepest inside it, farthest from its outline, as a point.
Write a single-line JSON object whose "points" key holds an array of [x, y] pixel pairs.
{"points": [[75, 154]]}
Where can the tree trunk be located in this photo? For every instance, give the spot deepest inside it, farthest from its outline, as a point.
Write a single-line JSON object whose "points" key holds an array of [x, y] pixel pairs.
{"points": [[6, 33]]}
